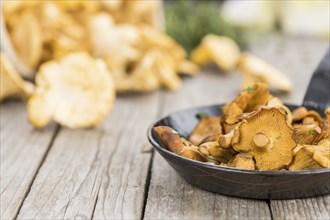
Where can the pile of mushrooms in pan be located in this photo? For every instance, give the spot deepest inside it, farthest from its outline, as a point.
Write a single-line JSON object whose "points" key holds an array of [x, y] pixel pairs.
{"points": [[256, 132]]}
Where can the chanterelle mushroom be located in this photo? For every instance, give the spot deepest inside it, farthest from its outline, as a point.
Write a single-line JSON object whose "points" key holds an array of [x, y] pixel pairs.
{"points": [[266, 135], [308, 134], [302, 115], [27, 39], [78, 91], [206, 126], [256, 68], [277, 103], [312, 156], [219, 49], [242, 161], [212, 149], [11, 83], [172, 141], [249, 100]]}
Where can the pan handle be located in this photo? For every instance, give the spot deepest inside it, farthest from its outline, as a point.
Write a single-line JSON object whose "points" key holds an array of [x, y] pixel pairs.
{"points": [[317, 96]]}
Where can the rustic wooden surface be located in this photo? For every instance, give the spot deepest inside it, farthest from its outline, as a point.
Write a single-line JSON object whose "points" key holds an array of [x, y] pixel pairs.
{"points": [[112, 173]]}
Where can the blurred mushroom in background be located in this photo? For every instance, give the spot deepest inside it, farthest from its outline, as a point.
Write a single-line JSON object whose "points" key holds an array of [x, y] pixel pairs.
{"points": [[11, 83]]}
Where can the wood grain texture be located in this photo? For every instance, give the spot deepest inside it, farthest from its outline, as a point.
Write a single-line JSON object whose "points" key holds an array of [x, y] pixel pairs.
{"points": [[170, 197], [22, 152], [311, 208], [102, 170]]}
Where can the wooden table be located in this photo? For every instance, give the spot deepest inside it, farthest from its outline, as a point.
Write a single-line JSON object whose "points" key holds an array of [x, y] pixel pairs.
{"points": [[111, 172]]}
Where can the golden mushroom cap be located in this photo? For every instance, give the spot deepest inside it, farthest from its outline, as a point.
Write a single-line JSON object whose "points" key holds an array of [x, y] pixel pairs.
{"points": [[242, 161], [266, 135], [309, 134], [170, 138], [77, 92], [312, 156], [179, 145], [249, 100], [303, 160], [206, 126], [301, 113]]}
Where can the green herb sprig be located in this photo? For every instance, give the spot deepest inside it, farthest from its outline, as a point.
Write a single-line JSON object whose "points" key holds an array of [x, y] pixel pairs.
{"points": [[189, 21]]}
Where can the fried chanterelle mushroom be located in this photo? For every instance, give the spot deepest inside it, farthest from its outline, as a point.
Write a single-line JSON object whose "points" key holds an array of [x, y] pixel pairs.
{"points": [[305, 117], [172, 141], [213, 150], [308, 134], [78, 91], [312, 156], [205, 127], [242, 161], [11, 83], [249, 100], [266, 135]]}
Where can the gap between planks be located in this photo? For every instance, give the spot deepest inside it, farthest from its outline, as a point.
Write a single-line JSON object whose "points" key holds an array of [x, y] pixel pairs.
{"points": [[57, 129], [147, 186], [23, 150]]}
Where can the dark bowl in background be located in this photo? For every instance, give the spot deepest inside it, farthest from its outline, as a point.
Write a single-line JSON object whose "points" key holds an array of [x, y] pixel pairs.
{"points": [[252, 184]]}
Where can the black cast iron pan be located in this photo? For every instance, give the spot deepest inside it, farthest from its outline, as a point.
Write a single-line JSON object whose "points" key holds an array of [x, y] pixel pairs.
{"points": [[246, 183]]}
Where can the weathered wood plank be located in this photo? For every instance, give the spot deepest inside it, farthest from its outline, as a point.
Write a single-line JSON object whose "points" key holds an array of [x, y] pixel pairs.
{"points": [[170, 197], [22, 152], [311, 208], [98, 173]]}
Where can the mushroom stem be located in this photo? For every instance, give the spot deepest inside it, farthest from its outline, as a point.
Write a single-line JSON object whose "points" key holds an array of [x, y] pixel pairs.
{"points": [[261, 140]]}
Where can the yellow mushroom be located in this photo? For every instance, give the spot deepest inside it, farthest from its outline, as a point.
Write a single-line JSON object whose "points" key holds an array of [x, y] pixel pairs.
{"points": [[212, 137], [266, 135], [77, 91], [242, 161], [312, 157], [110, 40], [221, 50], [206, 126], [308, 134], [227, 140], [259, 70], [172, 141], [218, 153], [250, 99], [188, 68], [302, 115], [11, 83], [26, 36], [152, 38], [142, 78], [277, 103]]}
